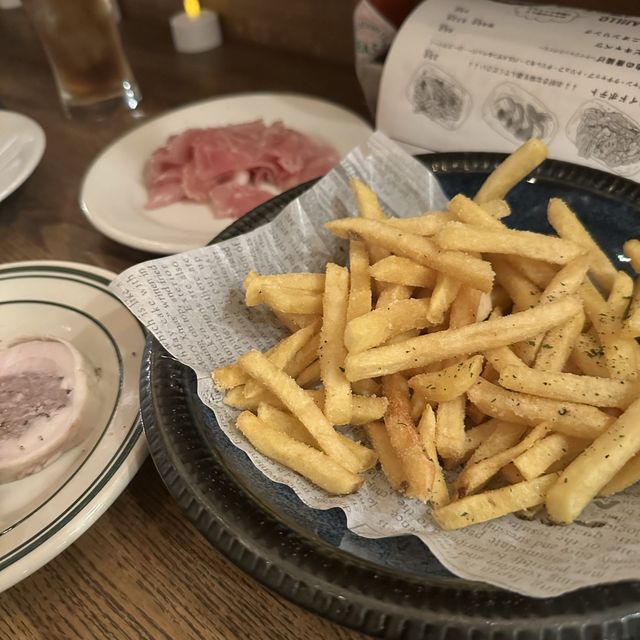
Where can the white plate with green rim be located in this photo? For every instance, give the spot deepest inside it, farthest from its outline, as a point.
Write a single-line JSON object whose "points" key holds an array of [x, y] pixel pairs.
{"points": [[44, 513]]}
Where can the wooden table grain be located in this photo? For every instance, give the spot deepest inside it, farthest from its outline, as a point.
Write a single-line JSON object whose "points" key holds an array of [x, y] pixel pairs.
{"points": [[142, 571]]}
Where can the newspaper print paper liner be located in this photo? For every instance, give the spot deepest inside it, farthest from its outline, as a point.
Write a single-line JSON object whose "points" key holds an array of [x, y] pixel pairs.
{"points": [[194, 305]]}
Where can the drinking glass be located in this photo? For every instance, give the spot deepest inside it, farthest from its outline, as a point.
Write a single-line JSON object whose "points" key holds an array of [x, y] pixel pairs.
{"points": [[83, 45]]}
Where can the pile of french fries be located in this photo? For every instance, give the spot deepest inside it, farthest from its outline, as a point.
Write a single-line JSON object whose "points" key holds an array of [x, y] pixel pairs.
{"points": [[488, 370]]}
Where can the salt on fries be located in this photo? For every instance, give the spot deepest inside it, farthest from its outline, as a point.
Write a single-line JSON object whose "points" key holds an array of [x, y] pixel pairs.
{"points": [[480, 408]]}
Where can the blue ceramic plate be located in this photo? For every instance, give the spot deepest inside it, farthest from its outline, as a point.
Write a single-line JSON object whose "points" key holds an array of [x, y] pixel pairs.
{"points": [[392, 588]]}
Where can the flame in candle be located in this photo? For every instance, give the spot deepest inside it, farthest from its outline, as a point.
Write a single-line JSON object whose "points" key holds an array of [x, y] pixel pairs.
{"points": [[192, 8]]}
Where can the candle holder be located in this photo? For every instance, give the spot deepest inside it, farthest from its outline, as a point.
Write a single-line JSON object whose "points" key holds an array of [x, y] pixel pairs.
{"points": [[195, 30]]}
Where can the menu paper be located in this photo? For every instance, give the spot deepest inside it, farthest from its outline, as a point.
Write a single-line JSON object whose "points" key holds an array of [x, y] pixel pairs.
{"points": [[478, 75], [193, 304]]}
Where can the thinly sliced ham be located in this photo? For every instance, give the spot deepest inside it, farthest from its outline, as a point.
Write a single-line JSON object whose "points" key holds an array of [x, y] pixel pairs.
{"points": [[46, 400], [233, 168]]}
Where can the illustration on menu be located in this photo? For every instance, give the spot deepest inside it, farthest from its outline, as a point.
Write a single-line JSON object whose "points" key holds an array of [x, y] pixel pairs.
{"points": [[440, 97], [606, 135], [517, 115]]}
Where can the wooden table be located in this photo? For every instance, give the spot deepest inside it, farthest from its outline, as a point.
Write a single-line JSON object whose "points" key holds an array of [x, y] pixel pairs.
{"points": [[142, 570]]}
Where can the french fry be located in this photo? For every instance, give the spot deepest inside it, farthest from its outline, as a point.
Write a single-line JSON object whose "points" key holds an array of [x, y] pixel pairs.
{"points": [[314, 465], [475, 476], [367, 388], [282, 354], [458, 236], [228, 377], [628, 475], [444, 293], [360, 296], [567, 225], [427, 434], [589, 390], [377, 326], [511, 474], [528, 351], [403, 435], [595, 305], [539, 272], [473, 271], [235, 398], [588, 355], [367, 201], [578, 445], [620, 295], [298, 402], [524, 293], [497, 208], [367, 409], [631, 249], [512, 170], [466, 210], [331, 352], [303, 358], [450, 428], [543, 454], [475, 436], [418, 405], [286, 300], [369, 208], [465, 309], [619, 352], [254, 282], [364, 409], [424, 350], [424, 225], [286, 423], [570, 418], [494, 504], [631, 320], [393, 293], [557, 344], [568, 280], [310, 376], [503, 436], [597, 465], [295, 321], [405, 335], [389, 460], [448, 383], [397, 270], [502, 357]]}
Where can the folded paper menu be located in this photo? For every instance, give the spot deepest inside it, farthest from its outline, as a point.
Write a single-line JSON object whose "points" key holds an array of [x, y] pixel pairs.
{"points": [[194, 305], [478, 75]]}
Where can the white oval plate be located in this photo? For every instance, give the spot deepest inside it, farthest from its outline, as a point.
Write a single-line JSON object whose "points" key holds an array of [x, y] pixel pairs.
{"points": [[22, 143], [113, 194], [43, 514]]}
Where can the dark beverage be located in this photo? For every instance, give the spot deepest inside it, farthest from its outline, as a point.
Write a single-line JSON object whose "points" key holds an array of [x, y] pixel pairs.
{"points": [[84, 49]]}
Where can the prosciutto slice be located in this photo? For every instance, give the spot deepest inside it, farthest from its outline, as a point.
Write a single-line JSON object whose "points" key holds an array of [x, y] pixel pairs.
{"points": [[235, 168], [45, 409]]}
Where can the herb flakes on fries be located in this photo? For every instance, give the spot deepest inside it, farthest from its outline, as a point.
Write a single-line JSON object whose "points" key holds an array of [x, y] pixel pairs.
{"points": [[536, 406]]}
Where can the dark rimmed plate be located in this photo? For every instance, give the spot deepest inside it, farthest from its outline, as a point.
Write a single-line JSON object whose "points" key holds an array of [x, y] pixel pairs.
{"points": [[392, 588]]}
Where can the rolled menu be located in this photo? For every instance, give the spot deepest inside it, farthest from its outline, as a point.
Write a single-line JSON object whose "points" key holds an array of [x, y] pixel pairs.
{"points": [[478, 75]]}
